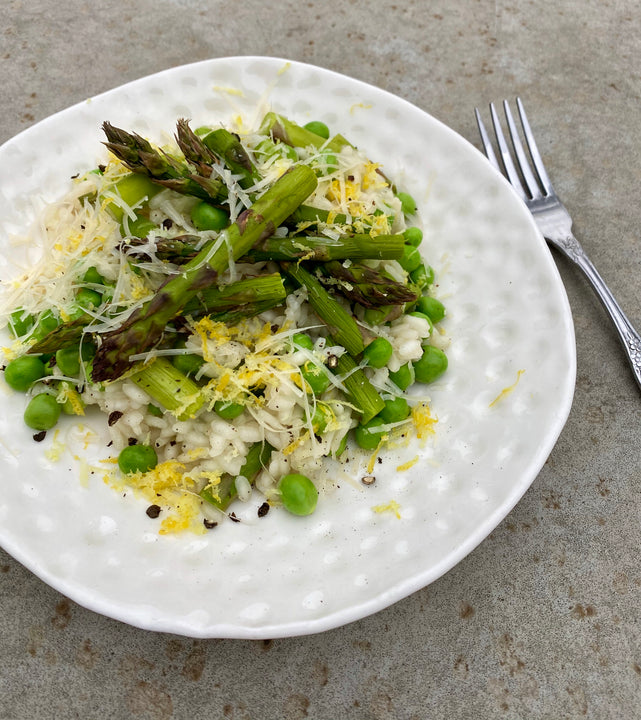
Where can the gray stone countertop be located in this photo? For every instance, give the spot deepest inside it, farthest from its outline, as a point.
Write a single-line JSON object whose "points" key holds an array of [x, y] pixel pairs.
{"points": [[542, 619]]}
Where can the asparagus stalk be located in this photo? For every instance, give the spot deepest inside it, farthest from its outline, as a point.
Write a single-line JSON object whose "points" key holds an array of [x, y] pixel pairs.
{"points": [[141, 157], [311, 215], [359, 389], [222, 495], [230, 150], [171, 388], [145, 326], [283, 129], [262, 290], [366, 286], [341, 324], [324, 249]]}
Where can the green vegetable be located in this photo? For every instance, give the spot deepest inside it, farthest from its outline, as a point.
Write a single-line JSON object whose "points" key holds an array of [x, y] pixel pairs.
{"points": [[228, 147], [378, 352], [422, 276], [281, 128], [395, 410], [341, 324], [318, 128], [22, 372], [413, 236], [46, 322], [20, 322], [140, 227], [315, 377], [408, 204], [298, 493], [431, 365], [411, 258], [359, 389], [42, 412], [228, 410], [137, 458], [189, 364], [205, 216], [68, 359], [433, 308], [93, 277], [403, 377], [133, 189], [171, 388], [368, 435], [88, 298], [303, 340]]}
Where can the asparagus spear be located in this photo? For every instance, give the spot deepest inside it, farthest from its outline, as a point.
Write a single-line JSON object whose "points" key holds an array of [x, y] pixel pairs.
{"points": [[263, 290], [366, 286], [230, 150], [170, 387], [222, 495], [323, 249], [359, 389], [141, 157], [341, 324], [145, 326], [311, 215], [283, 129], [316, 248]]}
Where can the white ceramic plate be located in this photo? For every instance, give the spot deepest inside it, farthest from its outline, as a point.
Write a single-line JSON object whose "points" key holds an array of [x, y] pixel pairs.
{"points": [[281, 575]]}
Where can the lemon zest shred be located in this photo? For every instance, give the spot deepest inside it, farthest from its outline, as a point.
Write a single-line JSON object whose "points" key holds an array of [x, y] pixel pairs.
{"points": [[408, 464], [507, 390], [391, 506]]}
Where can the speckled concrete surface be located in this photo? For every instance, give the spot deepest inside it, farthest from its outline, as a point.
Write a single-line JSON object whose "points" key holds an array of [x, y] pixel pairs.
{"points": [[542, 619]]}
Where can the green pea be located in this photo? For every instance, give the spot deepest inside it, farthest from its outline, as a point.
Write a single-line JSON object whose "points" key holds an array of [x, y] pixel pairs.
{"points": [[422, 276], [137, 458], [395, 410], [303, 340], [45, 323], [403, 377], [22, 372], [378, 352], [375, 316], [208, 217], [410, 259], [189, 363], [315, 377], [326, 163], [318, 128], [68, 360], [228, 410], [368, 436], [298, 493], [20, 322], [413, 236], [93, 276], [140, 227], [42, 412], [88, 298], [408, 204], [431, 365], [132, 189], [432, 307]]}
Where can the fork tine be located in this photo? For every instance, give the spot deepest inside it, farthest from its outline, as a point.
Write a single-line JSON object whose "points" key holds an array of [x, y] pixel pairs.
{"points": [[534, 151], [487, 143], [524, 163], [508, 163]]}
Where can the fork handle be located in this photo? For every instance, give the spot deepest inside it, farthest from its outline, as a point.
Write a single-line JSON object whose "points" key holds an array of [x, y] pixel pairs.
{"points": [[629, 337]]}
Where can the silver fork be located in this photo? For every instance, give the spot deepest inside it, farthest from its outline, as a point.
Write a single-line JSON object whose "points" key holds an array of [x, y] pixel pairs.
{"points": [[551, 216]]}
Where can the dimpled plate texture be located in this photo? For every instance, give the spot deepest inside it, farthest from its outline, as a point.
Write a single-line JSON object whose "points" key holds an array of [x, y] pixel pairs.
{"points": [[281, 575]]}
